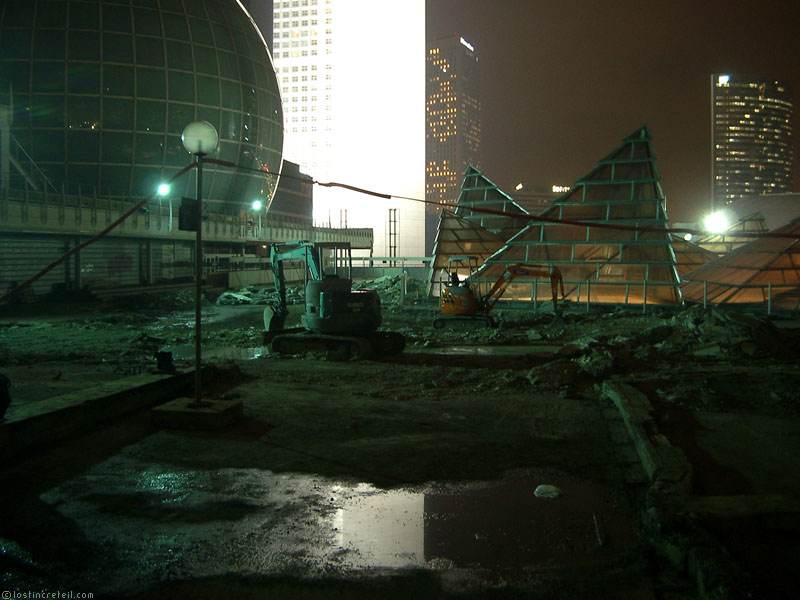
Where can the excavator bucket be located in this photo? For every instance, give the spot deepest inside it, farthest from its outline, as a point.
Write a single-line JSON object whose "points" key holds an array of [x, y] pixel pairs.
{"points": [[273, 320]]}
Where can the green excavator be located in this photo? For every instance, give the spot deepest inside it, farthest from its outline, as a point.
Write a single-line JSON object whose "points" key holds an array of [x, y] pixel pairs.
{"points": [[338, 321]]}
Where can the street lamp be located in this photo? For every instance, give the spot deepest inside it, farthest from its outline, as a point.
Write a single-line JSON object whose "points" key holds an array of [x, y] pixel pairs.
{"points": [[199, 138]]}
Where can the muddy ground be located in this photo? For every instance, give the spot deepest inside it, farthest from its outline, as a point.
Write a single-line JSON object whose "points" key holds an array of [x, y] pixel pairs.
{"points": [[458, 413]]}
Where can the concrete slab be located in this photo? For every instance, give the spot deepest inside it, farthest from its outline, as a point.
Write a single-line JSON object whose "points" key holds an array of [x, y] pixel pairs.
{"points": [[182, 413], [33, 425]]}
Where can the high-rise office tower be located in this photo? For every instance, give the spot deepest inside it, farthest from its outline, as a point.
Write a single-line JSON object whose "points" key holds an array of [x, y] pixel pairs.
{"points": [[354, 96], [453, 124], [751, 137]]}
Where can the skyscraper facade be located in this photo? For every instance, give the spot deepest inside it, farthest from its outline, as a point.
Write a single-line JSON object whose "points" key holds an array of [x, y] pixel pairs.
{"points": [[353, 99], [453, 124], [751, 137]]}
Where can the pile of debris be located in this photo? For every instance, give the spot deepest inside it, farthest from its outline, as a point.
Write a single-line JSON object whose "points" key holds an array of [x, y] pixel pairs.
{"points": [[389, 288], [260, 295]]}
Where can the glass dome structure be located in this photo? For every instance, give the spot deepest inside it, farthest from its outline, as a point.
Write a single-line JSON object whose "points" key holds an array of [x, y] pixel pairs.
{"points": [[102, 90]]}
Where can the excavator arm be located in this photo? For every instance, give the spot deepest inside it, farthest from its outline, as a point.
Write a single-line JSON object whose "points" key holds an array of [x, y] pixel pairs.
{"points": [[301, 250], [511, 273]]}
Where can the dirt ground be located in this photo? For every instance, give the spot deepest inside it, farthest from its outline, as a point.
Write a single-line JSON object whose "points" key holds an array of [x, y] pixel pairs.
{"points": [[514, 406]]}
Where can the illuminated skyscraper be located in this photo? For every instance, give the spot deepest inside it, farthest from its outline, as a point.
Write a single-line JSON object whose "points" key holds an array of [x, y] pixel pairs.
{"points": [[751, 137], [453, 123], [353, 106]]}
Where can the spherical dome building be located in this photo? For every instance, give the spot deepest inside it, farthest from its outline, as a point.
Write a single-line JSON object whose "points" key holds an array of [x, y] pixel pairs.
{"points": [[101, 91]]}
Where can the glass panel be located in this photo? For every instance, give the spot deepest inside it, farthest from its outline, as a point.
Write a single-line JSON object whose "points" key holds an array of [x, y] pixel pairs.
{"points": [[222, 37], [214, 12], [83, 112], [15, 43], [175, 26], [150, 115], [47, 111], [179, 116], [117, 147], [48, 145], [609, 193], [149, 149], [49, 44], [201, 32], [205, 60], [55, 15], [181, 86], [116, 18], [83, 146], [246, 70], [117, 114], [145, 180], [83, 15], [600, 173], [208, 114], [195, 8], [83, 175], [83, 78], [179, 56], [149, 51], [150, 83], [231, 94], [642, 170], [207, 90], [115, 179], [117, 48], [228, 65], [641, 150], [230, 125], [84, 45], [228, 151], [173, 5], [147, 22], [644, 191], [176, 153], [117, 80]]}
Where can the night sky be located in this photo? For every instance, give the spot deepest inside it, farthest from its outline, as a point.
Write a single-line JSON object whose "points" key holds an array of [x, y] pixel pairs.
{"points": [[564, 81]]}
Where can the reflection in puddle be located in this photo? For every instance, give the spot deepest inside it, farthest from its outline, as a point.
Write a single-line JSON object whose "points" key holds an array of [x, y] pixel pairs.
{"points": [[245, 521], [186, 352], [489, 525]]}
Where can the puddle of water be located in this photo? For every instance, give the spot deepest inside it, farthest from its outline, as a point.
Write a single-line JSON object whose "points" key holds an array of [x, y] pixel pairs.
{"points": [[186, 352], [201, 524]]}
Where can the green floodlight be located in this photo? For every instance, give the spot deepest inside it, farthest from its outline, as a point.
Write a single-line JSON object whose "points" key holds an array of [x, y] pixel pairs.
{"points": [[163, 189], [256, 205]]}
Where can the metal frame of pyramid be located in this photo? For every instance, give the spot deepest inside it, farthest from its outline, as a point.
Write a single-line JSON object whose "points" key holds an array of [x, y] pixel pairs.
{"points": [[766, 270], [466, 231], [614, 246]]}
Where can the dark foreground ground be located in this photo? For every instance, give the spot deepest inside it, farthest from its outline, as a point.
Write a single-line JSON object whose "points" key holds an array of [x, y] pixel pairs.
{"points": [[414, 475]]}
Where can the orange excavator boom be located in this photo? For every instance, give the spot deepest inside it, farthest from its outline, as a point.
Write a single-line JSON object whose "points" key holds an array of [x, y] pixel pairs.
{"points": [[512, 272]]}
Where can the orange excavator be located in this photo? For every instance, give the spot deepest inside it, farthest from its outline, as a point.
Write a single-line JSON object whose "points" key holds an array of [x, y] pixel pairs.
{"points": [[463, 302]]}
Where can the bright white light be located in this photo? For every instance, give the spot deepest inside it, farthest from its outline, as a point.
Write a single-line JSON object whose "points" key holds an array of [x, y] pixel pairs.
{"points": [[560, 189], [467, 44], [374, 126], [688, 237], [723, 79], [256, 205], [519, 187], [163, 189], [199, 137], [716, 222]]}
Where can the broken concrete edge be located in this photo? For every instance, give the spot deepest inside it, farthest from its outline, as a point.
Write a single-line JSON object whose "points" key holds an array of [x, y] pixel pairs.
{"points": [[77, 412], [671, 531]]}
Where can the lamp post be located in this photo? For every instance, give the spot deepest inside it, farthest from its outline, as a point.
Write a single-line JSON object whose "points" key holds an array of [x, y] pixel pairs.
{"points": [[199, 138]]}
